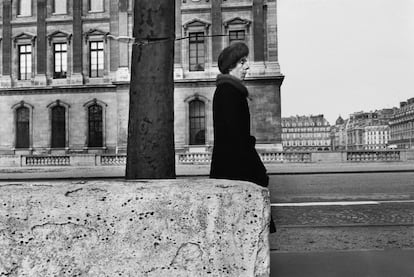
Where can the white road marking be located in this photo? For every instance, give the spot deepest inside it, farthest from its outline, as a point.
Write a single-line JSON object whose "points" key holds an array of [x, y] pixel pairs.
{"points": [[338, 203]]}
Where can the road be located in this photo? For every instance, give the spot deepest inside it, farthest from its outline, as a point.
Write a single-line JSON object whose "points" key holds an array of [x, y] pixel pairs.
{"points": [[389, 263], [343, 224], [342, 186]]}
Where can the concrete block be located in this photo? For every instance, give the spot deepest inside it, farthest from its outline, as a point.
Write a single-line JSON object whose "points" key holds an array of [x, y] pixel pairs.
{"points": [[134, 228]]}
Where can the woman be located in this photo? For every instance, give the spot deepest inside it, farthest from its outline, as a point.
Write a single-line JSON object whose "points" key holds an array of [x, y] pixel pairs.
{"points": [[234, 154]]}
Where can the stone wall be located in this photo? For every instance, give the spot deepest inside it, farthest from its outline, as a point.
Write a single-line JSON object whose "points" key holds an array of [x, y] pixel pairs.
{"points": [[134, 228]]}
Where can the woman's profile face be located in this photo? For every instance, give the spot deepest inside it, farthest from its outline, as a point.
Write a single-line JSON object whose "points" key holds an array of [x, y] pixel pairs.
{"points": [[241, 68]]}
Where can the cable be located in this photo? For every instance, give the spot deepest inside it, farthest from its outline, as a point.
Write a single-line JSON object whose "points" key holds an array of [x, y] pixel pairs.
{"points": [[146, 41]]}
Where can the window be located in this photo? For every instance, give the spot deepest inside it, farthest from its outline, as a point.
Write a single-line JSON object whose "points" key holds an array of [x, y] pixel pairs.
{"points": [[58, 127], [60, 60], [22, 127], [197, 52], [25, 62], [96, 59], [197, 122], [95, 128], [237, 36], [96, 5], [24, 7], [59, 7]]}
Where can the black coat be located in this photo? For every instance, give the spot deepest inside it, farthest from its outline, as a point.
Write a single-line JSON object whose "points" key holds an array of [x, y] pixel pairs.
{"points": [[234, 154]]}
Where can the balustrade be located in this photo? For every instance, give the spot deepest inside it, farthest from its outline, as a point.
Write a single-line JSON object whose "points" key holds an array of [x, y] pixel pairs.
{"points": [[194, 158], [205, 158], [113, 160], [47, 160], [373, 156]]}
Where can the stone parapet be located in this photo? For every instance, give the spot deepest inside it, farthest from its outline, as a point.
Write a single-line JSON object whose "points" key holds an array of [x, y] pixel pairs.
{"points": [[198, 227]]}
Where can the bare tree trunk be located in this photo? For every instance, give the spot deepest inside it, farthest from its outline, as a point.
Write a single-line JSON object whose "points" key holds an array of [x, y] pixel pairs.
{"points": [[151, 108]]}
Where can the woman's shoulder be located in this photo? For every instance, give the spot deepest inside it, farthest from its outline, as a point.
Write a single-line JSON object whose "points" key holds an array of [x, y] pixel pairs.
{"points": [[227, 90]]}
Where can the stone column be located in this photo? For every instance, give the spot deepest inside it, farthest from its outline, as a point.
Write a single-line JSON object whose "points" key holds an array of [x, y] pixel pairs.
{"points": [[123, 73], [216, 27], [258, 30], [41, 40], [113, 43], [178, 67], [5, 80], [77, 76]]}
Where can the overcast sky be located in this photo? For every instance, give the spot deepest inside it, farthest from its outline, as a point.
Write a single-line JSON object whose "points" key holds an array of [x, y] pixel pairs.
{"points": [[343, 56]]}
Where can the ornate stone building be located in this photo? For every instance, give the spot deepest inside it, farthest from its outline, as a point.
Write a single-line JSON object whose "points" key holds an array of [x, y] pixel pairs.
{"points": [[368, 130], [306, 133], [338, 134], [402, 125], [65, 66]]}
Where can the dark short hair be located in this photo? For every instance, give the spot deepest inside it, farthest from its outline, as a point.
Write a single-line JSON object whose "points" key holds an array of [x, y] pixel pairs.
{"points": [[231, 55]]}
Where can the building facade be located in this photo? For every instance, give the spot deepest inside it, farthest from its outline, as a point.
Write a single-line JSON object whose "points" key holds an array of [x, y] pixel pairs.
{"points": [[306, 133], [65, 71], [368, 130], [402, 126], [338, 135]]}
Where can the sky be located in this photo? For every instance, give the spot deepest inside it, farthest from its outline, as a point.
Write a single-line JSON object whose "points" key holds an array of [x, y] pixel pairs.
{"points": [[344, 56]]}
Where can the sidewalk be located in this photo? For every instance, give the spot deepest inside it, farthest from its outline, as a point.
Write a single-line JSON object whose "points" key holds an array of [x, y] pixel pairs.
{"points": [[360, 263], [51, 172]]}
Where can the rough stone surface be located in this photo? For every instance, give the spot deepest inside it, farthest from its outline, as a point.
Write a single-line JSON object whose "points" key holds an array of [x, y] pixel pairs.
{"points": [[134, 228]]}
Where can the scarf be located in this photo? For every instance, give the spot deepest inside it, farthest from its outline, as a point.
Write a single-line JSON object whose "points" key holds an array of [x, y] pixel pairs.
{"points": [[235, 82]]}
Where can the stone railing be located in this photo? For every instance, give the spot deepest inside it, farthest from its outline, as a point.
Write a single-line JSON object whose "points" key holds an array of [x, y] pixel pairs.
{"points": [[47, 160], [269, 157], [113, 160], [297, 157], [373, 156], [194, 158], [204, 158]]}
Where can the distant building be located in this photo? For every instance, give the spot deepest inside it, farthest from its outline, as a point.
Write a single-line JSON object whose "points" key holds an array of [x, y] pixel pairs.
{"points": [[338, 135], [402, 126], [306, 133], [368, 130]]}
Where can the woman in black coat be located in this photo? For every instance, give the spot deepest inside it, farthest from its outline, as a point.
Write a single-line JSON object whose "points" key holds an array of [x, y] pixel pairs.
{"points": [[234, 154]]}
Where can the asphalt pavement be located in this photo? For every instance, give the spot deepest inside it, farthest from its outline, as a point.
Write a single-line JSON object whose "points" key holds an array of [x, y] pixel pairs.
{"points": [[362, 263]]}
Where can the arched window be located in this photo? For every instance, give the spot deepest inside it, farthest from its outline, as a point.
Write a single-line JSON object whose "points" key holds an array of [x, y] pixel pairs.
{"points": [[22, 127], [95, 126], [58, 127], [197, 122]]}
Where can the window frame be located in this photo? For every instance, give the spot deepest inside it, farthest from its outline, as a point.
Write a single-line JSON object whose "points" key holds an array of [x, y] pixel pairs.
{"points": [[96, 11], [198, 55], [20, 4], [28, 75], [58, 134], [67, 117], [237, 31], [62, 59], [196, 25], [199, 119], [97, 50], [103, 105], [54, 7], [95, 140], [14, 108]]}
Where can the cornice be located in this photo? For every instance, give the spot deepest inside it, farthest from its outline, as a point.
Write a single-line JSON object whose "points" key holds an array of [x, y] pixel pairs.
{"points": [[58, 89]]}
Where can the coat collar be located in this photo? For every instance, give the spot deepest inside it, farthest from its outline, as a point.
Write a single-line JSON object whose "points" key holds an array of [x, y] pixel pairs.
{"points": [[229, 79]]}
